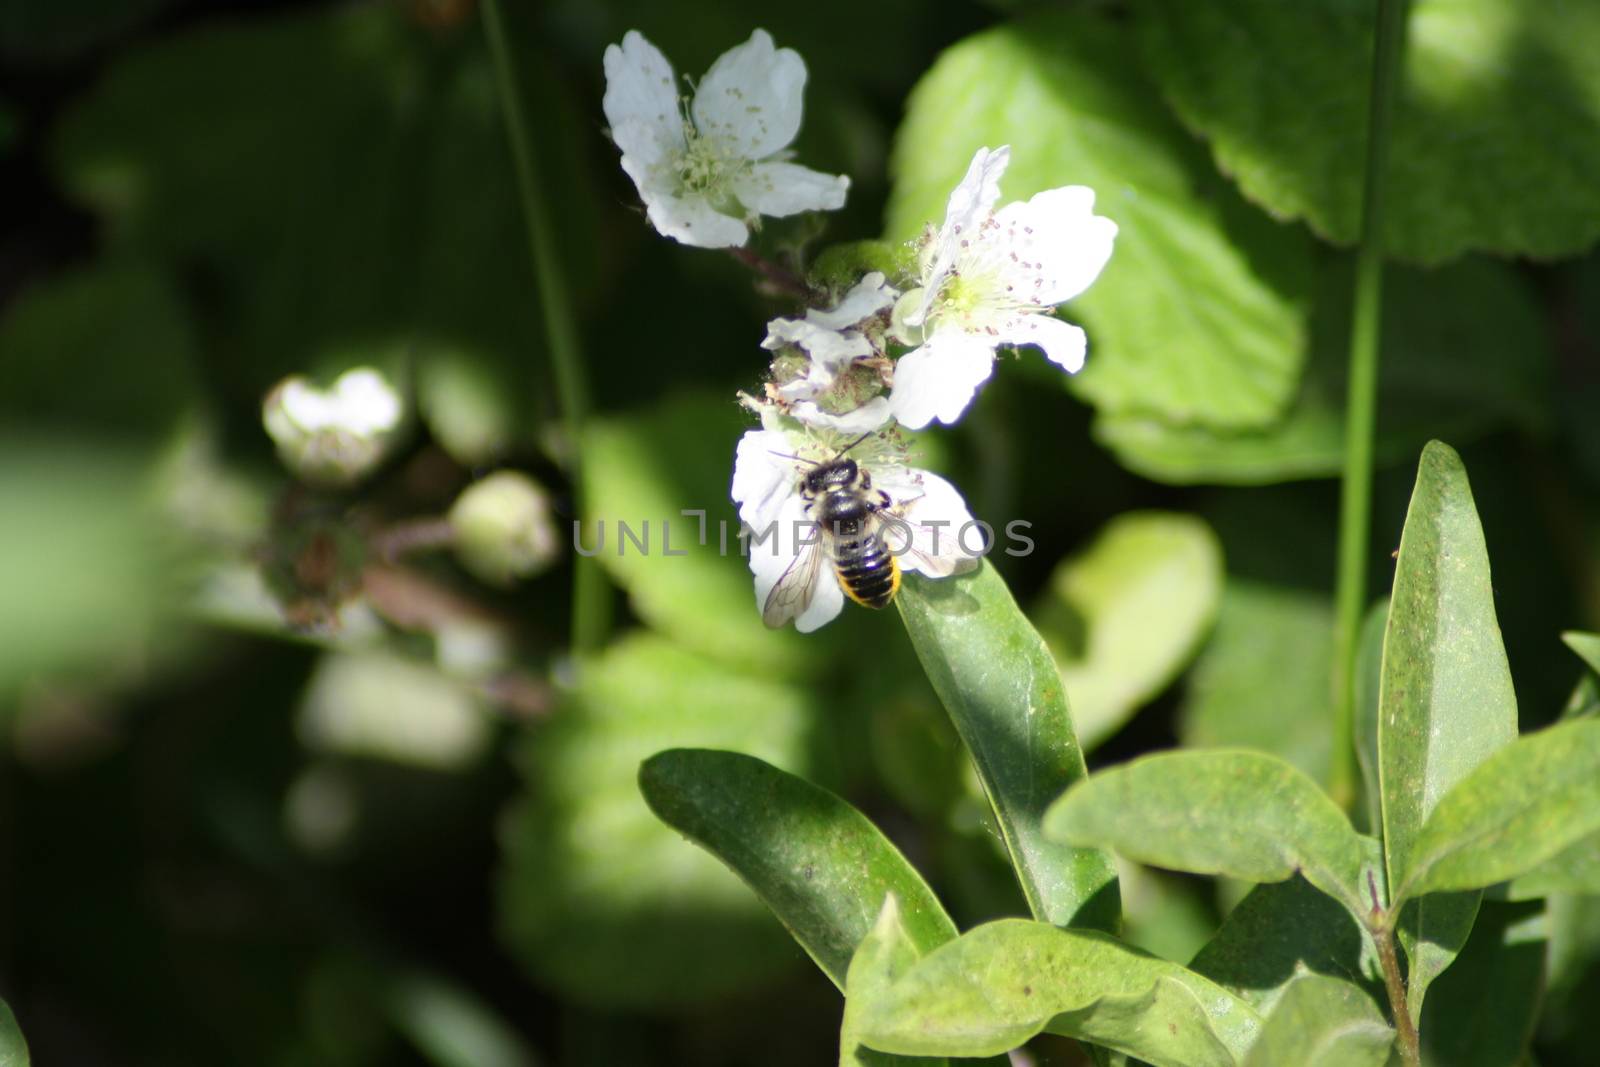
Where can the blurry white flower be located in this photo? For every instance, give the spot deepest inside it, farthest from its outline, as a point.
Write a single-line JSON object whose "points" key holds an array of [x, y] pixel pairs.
{"points": [[333, 436], [822, 393], [504, 528], [992, 278], [705, 174], [921, 518]]}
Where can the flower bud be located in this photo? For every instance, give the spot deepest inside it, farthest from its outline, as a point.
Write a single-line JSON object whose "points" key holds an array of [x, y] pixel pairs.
{"points": [[333, 437], [504, 530]]}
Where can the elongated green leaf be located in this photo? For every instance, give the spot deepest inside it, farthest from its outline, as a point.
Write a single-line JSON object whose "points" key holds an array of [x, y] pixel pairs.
{"points": [[13, 1049], [997, 680], [1000, 984], [1575, 869], [1282, 930], [1524, 804], [1445, 702], [817, 862], [1243, 814], [1369, 686], [885, 953], [1199, 316], [1466, 145], [1587, 646], [1125, 616], [1323, 1022], [1482, 1010]]}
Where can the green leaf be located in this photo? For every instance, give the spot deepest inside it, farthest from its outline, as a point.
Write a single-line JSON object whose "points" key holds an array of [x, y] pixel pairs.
{"points": [[1369, 684], [1323, 1022], [885, 953], [1448, 371], [13, 1049], [1262, 679], [1282, 930], [1481, 1011], [817, 862], [1199, 316], [996, 679], [1575, 869], [1446, 701], [1242, 814], [1000, 984], [1125, 616], [1526, 803], [598, 897], [1587, 646], [1497, 97]]}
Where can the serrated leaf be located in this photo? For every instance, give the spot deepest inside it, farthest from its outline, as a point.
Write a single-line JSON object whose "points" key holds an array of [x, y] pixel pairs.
{"points": [[1465, 349], [996, 679], [599, 898], [1446, 701], [1199, 316], [1526, 803], [1124, 617], [817, 862], [13, 1049], [1281, 92], [1323, 1022], [1242, 814], [883, 956], [1501, 965], [1000, 984], [1282, 930]]}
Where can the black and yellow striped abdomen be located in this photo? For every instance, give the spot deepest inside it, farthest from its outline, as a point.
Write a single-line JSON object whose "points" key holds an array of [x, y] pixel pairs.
{"points": [[868, 574]]}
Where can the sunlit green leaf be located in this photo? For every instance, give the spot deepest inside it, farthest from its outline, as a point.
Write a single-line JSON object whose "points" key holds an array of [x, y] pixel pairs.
{"points": [[885, 953], [1446, 701], [1199, 316], [997, 680], [1000, 984], [1125, 616], [1587, 646], [1246, 815], [1281, 91], [1323, 1022], [817, 862], [599, 898], [1282, 930], [1448, 371], [13, 1049], [1524, 804], [1502, 965]]}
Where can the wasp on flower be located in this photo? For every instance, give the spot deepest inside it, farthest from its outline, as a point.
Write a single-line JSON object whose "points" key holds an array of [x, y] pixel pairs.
{"points": [[708, 171], [991, 278], [831, 518]]}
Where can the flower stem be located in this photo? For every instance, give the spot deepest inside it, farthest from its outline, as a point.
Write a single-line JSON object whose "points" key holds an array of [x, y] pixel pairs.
{"points": [[777, 277], [1355, 512], [591, 601]]}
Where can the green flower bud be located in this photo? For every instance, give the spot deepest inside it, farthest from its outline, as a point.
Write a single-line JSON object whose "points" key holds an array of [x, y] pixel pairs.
{"points": [[504, 529]]}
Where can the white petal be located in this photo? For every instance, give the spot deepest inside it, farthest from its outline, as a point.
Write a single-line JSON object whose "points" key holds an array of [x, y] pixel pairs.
{"points": [[1054, 244], [691, 220], [640, 86], [938, 380], [751, 97], [866, 298], [779, 189], [365, 403], [773, 555], [1064, 344], [307, 407], [872, 415], [945, 539], [970, 204], [826, 602], [763, 479]]}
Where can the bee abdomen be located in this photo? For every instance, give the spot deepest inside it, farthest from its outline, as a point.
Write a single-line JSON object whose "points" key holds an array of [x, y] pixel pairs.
{"points": [[868, 574]]}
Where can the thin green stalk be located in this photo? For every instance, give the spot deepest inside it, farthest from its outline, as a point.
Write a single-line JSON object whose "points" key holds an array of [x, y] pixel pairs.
{"points": [[591, 595], [1355, 513]]}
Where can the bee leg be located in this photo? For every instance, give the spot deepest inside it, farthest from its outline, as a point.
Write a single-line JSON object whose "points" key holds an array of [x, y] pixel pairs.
{"points": [[884, 499]]}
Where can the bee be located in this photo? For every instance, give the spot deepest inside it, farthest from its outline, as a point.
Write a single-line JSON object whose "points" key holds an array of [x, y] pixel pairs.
{"points": [[852, 518]]}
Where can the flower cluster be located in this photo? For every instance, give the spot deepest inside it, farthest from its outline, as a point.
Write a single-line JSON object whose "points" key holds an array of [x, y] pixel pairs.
{"points": [[884, 351]]}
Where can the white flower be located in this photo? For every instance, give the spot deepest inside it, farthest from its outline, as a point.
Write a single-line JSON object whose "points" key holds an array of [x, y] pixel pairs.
{"points": [[925, 523], [992, 278], [705, 174], [333, 436], [833, 340]]}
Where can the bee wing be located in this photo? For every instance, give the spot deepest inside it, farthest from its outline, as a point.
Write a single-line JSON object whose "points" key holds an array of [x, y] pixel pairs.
{"points": [[792, 594], [933, 534], [787, 559]]}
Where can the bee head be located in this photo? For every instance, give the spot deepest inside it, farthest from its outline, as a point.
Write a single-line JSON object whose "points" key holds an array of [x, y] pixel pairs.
{"points": [[834, 474]]}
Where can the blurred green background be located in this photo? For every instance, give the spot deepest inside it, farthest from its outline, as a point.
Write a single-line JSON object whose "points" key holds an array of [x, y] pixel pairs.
{"points": [[269, 796]]}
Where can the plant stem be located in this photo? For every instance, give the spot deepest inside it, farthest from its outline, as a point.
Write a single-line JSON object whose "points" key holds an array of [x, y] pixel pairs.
{"points": [[1355, 506], [780, 278], [591, 604], [1410, 1047]]}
